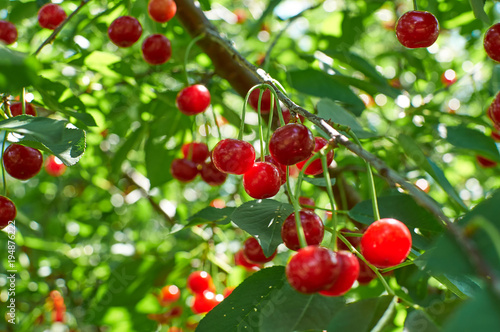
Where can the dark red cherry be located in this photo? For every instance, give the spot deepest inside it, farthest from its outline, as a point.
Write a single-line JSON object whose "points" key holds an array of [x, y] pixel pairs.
{"points": [[22, 162], [485, 162], [162, 10], [233, 156], [495, 134], [311, 224], [306, 201], [8, 32], [241, 260], [54, 166], [125, 31], [8, 211], [199, 282], [349, 272], [312, 269], [193, 100], [205, 302], [265, 106], [50, 16], [17, 109], [287, 116], [184, 170], [262, 180], [417, 29], [366, 274], [353, 240], [492, 42], [494, 110], [291, 144], [156, 49], [253, 252], [316, 167], [199, 152], [211, 175], [281, 168]]}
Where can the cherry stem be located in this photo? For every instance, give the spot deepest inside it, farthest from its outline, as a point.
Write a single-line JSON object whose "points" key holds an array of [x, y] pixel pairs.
{"points": [[269, 124], [415, 7], [186, 55], [296, 208], [261, 133], [326, 175], [324, 209], [3, 168], [207, 127], [216, 124]]}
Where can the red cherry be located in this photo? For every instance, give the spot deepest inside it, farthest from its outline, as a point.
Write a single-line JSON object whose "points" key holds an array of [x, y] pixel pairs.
{"points": [[211, 175], [162, 10], [316, 167], [349, 272], [125, 31], [22, 162], [169, 294], [366, 274], [312, 269], [199, 151], [281, 168], [306, 201], [287, 117], [311, 224], [156, 49], [54, 166], [50, 16], [253, 252], [265, 105], [386, 243], [233, 156], [193, 100], [8, 211], [205, 302], [184, 170], [199, 282], [291, 144], [495, 135], [492, 42], [8, 32], [241, 260], [17, 109], [494, 110], [485, 162], [416, 29], [353, 240], [262, 180], [448, 77]]}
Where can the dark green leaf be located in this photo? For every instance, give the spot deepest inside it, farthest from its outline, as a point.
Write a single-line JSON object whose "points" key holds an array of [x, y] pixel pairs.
{"points": [[319, 182], [132, 140], [418, 321], [470, 139], [211, 214], [44, 130], [17, 70]]}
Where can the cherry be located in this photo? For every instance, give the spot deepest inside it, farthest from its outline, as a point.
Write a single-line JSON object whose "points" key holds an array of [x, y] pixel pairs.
{"points": [[496, 135], [448, 77], [353, 240], [184, 170], [205, 302], [162, 10], [349, 272], [169, 294], [125, 31], [8, 211], [8, 32], [265, 105], [17, 109], [291, 144], [281, 168], [306, 201], [366, 274], [54, 166], [22, 162], [416, 29], [312, 269], [386, 243], [193, 100], [233, 156], [485, 162], [199, 151], [253, 252], [156, 49], [316, 167], [211, 175], [311, 224], [241, 260], [494, 110], [287, 116], [199, 282], [262, 180], [50, 16], [492, 42]]}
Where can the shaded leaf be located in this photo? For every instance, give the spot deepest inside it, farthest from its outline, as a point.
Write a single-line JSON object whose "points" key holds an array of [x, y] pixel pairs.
{"points": [[470, 139], [418, 321], [211, 214], [17, 70], [319, 182]]}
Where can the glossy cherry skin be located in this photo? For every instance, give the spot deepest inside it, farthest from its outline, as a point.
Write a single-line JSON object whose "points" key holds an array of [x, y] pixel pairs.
{"points": [[199, 151], [287, 116], [291, 144], [265, 106], [485, 162], [312, 225], [494, 110], [8, 32], [233, 156], [241, 260], [156, 49], [50, 16], [8, 211], [316, 167], [205, 302], [162, 10], [199, 282], [262, 180], [281, 168], [366, 274], [306, 201], [22, 162], [54, 167], [386, 243], [184, 170], [492, 42], [125, 31], [17, 109], [211, 175], [312, 269], [416, 29], [253, 252], [169, 294], [349, 272], [193, 100]]}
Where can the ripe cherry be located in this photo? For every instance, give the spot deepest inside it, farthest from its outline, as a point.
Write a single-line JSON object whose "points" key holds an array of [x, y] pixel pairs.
{"points": [[22, 162], [417, 29], [253, 252], [162, 10], [233, 156], [366, 274], [241, 260], [211, 175], [193, 100], [311, 224], [265, 105], [199, 282], [306, 201], [312, 269], [17, 109], [495, 134], [386, 243], [262, 180], [156, 49], [50, 16], [125, 31], [485, 162], [8, 211], [448, 77], [287, 117], [8, 32], [316, 167], [199, 152], [281, 168], [353, 240], [492, 42], [184, 170], [54, 166], [291, 144], [349, 272], [169, 294], [494, 110], [205, 302]]}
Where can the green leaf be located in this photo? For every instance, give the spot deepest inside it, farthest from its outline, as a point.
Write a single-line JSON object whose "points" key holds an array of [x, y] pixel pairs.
{"points": [[132, 140], [211, 214], [17, 70], [478, 9], [470, 139], [263, 219], [45, 130], [319, 182]]}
